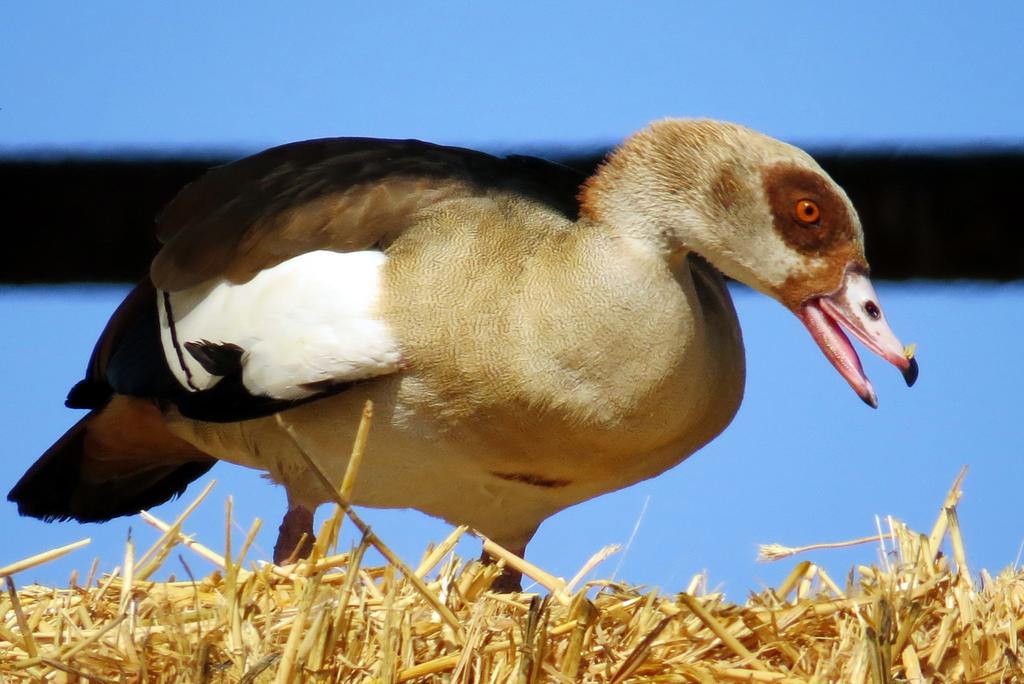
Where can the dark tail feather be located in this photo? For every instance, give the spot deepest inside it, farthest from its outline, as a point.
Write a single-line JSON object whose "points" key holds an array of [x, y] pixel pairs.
{"points": [[59, 485]]}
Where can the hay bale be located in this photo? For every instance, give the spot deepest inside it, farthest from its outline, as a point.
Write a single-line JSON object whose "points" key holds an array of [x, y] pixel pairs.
{"points": [[917, 617]]}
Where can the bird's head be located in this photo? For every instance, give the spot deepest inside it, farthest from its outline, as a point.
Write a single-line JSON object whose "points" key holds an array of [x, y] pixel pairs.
{"points": [[764, 213]]}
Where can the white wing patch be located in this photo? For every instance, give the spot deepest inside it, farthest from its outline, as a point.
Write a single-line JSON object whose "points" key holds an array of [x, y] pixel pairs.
{"points": [[311, 320]]}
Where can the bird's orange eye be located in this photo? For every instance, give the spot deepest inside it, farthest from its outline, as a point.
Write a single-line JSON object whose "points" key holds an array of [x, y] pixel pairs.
{"points": [[807, 211]]}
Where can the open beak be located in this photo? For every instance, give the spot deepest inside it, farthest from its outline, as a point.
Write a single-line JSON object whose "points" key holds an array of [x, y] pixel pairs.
{"points": [[855, 306]]}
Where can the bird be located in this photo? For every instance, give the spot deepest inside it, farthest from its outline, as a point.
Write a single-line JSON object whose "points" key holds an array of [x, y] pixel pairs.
{"points": [[530, 337]]}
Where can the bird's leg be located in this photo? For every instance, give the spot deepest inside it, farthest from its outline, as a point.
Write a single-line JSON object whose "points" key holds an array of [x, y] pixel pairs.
{"points": [[510, 580], [291, 544]]}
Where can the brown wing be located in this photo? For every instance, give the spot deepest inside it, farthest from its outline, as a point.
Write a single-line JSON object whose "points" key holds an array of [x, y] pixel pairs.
{"points": [[341, 194]]}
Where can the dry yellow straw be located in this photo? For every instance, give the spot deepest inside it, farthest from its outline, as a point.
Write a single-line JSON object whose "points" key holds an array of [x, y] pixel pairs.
{"points": [[440, 551], [348, 482], [639, 654], [40, 558], [158, 552], [595, 560], [26, 630], [555, 585], [767, 553], [772, 552], [957, 541], [201, 550], [332, 527], [721, 632], [952, 499], [914, 619]]}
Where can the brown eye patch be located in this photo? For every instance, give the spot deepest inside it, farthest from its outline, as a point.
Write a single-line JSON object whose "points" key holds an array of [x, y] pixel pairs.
{"points": [[808, 213]]}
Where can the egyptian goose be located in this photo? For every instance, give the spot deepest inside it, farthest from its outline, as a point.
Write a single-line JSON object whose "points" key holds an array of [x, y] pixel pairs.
{"points": [[530, 338]]}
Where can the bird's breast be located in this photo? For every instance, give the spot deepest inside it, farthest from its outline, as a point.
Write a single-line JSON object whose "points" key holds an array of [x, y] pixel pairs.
{"points": [[560, 366]]}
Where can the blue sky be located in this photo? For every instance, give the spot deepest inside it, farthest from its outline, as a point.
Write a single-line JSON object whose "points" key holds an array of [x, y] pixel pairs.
{"points": [[803, 462], [111, 74]]}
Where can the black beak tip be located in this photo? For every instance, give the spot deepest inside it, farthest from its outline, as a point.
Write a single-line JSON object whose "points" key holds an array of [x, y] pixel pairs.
{"points": [[871, 400], [910, 373]]}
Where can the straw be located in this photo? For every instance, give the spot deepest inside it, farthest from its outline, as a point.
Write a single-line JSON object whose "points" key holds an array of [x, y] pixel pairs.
{"points": [[916, 617], [41, 558]]}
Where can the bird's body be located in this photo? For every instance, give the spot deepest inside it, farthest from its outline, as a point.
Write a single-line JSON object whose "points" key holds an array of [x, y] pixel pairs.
{"points": [[501, 436], [529, 340]]}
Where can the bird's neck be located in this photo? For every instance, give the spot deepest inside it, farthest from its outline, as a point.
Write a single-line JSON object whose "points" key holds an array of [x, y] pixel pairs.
{"points": [[671, 207], [625, 201]]}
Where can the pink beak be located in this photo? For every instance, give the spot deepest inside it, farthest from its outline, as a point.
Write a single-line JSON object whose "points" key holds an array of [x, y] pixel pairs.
{"points": [[855, 306]]}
